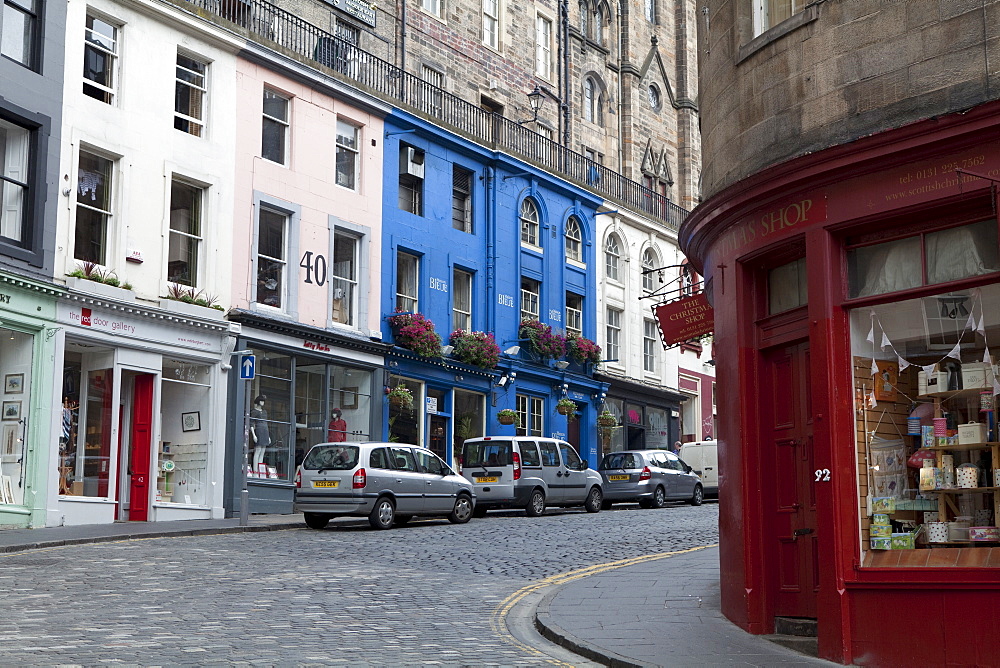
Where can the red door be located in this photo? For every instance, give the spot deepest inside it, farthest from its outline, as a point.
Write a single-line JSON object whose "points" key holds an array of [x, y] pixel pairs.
{"points": [[142, 430], [787, 455]]}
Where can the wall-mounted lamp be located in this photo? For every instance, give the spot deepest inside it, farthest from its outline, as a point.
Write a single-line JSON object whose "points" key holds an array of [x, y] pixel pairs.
{"points": [[513, 350], [565, 389], [446, 350], [459, 377], [535, 100], [562, 364], [393, 365]]}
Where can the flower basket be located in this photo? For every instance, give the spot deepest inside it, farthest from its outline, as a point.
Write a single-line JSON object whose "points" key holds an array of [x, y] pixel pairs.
{"points": [[416, 333], [507, 416], [581, 349], [475, 348], [566, 407], [607, 419], [400, 397], [541, 340]]}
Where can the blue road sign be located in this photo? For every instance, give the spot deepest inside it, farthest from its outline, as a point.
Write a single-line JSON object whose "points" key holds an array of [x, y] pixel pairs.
{"points": [[248, 367]]}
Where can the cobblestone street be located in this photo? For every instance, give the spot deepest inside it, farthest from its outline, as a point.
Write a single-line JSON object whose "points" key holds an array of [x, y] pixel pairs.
{"points": [[421, 594]]}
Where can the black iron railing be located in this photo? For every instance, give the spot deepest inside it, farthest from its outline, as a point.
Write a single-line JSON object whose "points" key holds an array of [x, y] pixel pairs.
{"points": [[385, 80]]}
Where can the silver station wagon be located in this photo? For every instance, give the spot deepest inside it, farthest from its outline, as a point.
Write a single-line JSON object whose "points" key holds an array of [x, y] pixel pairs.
{"points": [[386, 482], [651, 477]]}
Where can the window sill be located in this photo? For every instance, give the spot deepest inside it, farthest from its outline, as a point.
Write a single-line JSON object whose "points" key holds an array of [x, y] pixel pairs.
{"points": [[791, 24]]}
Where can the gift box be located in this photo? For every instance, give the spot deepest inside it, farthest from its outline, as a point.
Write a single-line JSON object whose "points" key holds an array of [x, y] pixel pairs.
{"points": [[984, 533], [930, 478], [971, 432], [926, 436], [937, 382], [885, 504], [880, 531], [881, 543], [880, 518], [904, 541], [977, 375]]}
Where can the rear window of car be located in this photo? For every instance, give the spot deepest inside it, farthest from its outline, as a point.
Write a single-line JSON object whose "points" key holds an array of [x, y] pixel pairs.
{"points": [[529, 454], [486, 453], [620, 460], [332, 458]]}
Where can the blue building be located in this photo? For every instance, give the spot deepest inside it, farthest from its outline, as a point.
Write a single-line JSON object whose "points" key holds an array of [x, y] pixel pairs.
{"points": [[477, 240]]}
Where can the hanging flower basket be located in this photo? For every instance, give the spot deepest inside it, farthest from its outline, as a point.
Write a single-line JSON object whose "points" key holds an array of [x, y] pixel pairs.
{"points": [[507, 416], [581, 349], [607, 419], [475, 348], [400, 397], [416, 333], [541, 339], [566, 407]]}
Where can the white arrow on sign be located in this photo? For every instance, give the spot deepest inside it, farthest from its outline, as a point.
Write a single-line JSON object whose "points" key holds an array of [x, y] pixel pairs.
{"points": [[247, 367]]}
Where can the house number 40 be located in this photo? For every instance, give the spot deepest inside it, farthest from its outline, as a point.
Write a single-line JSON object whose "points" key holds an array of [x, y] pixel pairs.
{"points": [[822, 475]]}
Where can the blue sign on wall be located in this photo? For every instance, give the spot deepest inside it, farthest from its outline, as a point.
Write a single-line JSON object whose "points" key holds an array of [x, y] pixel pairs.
{"points": [[248, 367]]}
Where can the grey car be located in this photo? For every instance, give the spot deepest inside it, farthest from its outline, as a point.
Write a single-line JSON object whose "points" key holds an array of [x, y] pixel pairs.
{"points": [[386, 482], [651, 477]]}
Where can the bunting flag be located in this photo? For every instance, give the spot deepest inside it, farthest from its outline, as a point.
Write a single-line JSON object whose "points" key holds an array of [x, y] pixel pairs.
{"points": [[885, 341], [929, 369], [980, 327], [956, 352], [874, 368], [871, 399], [970, 324], [987, 358], [903, 364], [871, 332]]}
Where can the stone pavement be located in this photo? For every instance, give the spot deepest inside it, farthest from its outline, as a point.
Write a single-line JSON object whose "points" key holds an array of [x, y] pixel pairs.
{"points": [[649, 612]]}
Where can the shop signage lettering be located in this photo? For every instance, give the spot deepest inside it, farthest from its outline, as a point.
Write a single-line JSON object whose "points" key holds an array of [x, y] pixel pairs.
{"points": [[685, 319], [505, 300], [321, 347], [362, 11], [439, 284], [4, 299], [773, 221], [315, 267], [86, 318]]}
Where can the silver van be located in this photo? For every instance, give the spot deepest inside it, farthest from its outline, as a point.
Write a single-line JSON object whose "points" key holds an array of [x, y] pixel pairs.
{"points": [[386, 482], [529, 472]]}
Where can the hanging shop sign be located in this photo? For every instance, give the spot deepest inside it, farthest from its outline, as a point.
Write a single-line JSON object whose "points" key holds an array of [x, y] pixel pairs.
{"points": [[685, 319], [362, 11]]}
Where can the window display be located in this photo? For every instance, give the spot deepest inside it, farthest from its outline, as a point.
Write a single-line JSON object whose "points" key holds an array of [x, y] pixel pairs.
{"points": [[404, 421], [182, 456], [925, 383], [15, 368], [85, 441]]}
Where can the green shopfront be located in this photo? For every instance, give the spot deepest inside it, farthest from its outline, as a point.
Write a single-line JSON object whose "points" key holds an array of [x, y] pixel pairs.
{"points": [[28, 429]]}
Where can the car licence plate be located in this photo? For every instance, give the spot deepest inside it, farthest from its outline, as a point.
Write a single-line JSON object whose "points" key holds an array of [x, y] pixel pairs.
{"points": [[489, 479], [618, 477], [326, 483]]}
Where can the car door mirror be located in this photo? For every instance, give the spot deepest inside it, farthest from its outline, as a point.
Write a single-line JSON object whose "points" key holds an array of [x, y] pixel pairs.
{"points": [[687, 469]]}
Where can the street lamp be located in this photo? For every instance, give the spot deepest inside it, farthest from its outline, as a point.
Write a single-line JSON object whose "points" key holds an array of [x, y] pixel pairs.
{"points": [[535, 99]]}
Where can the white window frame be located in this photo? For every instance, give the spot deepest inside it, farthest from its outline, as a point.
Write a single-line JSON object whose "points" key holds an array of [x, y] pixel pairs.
{"points": [[574, 314], [350, 281], [531, 297], [612, 258], [281, 124], [530, 226], [543, 46], [404, 301], [431, 95], [574, 240], [529, 414], [649, 356], [649, 261], [108, 214], [762, 14], [433, 7], [491, 23], [354, 152], [282, 262], [613, 333], [196, 239], [111, 52], [461, 283], [649, 10], [198, 123]]}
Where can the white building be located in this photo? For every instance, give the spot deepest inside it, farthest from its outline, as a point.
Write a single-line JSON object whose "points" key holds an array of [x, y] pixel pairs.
{"points": [[148, 165]]}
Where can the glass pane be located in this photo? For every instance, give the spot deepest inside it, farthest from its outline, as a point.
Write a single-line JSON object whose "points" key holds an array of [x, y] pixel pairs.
{"points": [[182, 263], [15, 369], [94, 181], [273, 140], [16, 28], [90, 240], [310, 414], [185, 208], [270, 277], [350, 404], [961, 252], [271, 417], [886, 267], [470, 417], [271, 240], [346, 167], [93, 454], [786, 287], [404, 422], [275, 106]]}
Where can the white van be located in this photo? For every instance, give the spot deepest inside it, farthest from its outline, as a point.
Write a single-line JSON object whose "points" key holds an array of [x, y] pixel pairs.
{"points": [[703, 457]]}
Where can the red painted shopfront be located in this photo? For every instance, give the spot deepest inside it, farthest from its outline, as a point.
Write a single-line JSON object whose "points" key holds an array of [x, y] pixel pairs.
{"points": [[846, 283]]}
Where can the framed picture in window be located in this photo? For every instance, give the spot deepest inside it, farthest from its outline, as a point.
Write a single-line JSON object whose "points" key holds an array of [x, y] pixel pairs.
{"points": [[349, 398], [8, 446], [11, 410], [191, 421], [13, 383], [885, 383]]}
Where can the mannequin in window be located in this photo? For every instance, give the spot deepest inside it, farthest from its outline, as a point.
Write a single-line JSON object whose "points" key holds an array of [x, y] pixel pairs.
{"points": [[336, 431], [260, 437]]}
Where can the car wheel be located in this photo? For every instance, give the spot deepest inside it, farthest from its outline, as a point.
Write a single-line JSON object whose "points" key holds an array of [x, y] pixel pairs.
{"points": [[314, 521], [698, 496], [606, 505], [594, 500], [383, 514], [479, 511], [659, 498], [402, 519], [536, 504], [463, 510]]}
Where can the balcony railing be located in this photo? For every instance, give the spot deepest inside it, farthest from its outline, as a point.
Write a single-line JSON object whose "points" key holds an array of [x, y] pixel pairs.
{"points": [[389, 82]]}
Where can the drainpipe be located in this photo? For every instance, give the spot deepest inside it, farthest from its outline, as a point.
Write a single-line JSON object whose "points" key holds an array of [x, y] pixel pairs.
{"points": [[565, 85], [621, 88], [489, 174], [402, 36]]}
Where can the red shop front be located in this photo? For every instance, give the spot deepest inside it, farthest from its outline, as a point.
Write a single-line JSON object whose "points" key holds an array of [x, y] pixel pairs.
{"points": [[857, 322]]}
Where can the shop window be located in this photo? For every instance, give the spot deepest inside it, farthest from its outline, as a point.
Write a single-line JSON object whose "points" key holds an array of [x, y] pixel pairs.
{"points": [[20, 28], [93, 208], [612, 257], [15, 182], [613, 438], [85, 442], [932, 258], [271, 416], [348, 404], [530, 295], [405, 422], [190, 90], [185, 233], [348, 144], [470, 417], [461, 199], [182, 455], [15, 372], [345, 278], [658, 429], [272, 242], [437, 423], [574, 240], [574, 314], [529, 413], [411, 179], [461, 308], [100, 58], [529, 222], [787, 287], [613, 334], [407, 280], [925, 391], [274, 127]]}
